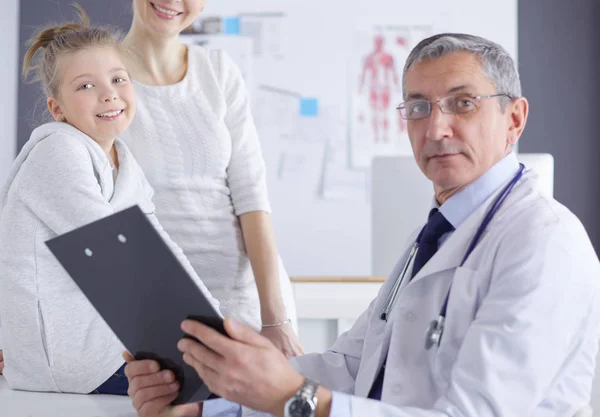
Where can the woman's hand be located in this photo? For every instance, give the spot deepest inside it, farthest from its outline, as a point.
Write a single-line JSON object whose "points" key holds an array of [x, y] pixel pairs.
{"points": [[1, 362], [285, 339]]}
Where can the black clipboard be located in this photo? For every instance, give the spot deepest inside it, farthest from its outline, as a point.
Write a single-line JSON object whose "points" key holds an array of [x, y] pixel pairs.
{"points": [[140, 289]]}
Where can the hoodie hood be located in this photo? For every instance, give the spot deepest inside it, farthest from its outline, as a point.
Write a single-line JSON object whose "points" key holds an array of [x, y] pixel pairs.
{"points": [[38, 135]]}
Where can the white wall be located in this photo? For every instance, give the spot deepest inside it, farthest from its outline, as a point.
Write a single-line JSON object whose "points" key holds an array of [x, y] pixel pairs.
{"points": [[315, 236], [9, 67]]}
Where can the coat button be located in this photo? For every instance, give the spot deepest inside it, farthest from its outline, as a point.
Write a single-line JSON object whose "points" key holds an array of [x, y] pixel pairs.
{"points": [[410, 317]]}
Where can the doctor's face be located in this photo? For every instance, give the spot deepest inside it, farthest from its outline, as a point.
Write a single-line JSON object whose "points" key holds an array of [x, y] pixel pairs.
{"points": [[454, 150]]}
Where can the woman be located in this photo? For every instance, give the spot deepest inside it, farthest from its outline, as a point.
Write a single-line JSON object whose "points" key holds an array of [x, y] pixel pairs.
{"points": [[196, 141]]}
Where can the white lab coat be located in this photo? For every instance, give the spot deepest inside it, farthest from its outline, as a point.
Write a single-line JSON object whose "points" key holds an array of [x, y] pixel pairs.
{"points": [[521, 332]]}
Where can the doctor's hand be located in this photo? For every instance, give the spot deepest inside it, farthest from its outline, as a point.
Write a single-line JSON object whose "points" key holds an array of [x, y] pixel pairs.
{"points": [[152, 390], [247, 369], [285, 339], [1, 362]]}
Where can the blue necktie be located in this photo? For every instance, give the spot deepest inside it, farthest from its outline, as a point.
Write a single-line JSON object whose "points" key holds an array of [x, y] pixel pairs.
{"points": [[436, 227]]}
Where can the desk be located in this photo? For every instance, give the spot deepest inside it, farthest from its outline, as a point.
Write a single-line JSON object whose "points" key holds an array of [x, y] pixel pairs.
{"points": [[329, 306], [37, 404]]}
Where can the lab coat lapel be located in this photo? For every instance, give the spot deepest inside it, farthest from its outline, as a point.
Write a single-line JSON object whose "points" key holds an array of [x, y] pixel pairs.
{"points": [[372, 363], [452, 252]]}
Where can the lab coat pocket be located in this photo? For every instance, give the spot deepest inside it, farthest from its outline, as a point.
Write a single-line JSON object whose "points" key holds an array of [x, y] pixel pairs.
{"points": [[462, 307]]}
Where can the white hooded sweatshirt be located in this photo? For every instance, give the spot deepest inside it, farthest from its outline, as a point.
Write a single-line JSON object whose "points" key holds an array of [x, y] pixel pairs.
{"points": [[53, 338]]}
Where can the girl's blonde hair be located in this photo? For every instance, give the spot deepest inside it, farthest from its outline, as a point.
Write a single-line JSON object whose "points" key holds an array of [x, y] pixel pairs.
{"points": [[54, 41]]}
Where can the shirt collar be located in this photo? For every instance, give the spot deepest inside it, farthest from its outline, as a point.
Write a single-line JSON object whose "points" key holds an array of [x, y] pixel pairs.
{"points": [[460, 206]]}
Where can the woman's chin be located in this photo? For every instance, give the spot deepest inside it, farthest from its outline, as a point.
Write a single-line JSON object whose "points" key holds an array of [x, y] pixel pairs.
{"points": [[165, 28]]}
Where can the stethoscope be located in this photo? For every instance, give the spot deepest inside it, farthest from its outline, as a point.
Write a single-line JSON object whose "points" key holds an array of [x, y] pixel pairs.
{"points": [[435, 330]]}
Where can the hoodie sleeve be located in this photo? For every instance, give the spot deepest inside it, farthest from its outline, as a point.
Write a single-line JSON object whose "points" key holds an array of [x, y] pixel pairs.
{"points": [[57, 183]]}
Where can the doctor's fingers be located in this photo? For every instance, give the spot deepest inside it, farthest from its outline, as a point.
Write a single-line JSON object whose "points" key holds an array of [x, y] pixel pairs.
{"points": [[139, 368], [153, 380], [209, 337], [211, 377], [201, 354], [150, 402]]}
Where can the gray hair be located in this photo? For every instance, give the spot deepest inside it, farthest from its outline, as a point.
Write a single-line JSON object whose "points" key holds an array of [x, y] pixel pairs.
{"points": [[498, 66]]}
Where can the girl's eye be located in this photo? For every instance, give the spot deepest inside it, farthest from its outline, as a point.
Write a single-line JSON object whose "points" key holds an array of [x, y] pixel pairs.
{"points": [[86, 86], [119, 80]]}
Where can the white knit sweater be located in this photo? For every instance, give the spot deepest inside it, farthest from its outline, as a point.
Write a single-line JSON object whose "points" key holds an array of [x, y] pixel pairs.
{"points": [[197, 144]]}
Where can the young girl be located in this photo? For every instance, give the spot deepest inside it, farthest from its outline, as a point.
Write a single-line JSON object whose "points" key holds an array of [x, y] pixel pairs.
{"points": [[71, 172]]}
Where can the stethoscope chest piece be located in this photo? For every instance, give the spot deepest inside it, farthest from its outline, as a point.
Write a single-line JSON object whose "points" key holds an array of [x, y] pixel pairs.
{"points": [[434, 333]]}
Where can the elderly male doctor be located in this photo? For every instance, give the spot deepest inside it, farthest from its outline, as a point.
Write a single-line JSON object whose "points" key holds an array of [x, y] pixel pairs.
{"points": [[520, 315]]}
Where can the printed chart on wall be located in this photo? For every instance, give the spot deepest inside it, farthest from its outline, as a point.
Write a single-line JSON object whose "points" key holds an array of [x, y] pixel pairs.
{"points": [[324, 147], [376, 126], [325, 79]]}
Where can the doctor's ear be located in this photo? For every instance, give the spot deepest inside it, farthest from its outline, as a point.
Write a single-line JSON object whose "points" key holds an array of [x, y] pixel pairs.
{"points": [[55, 110], [517, 111]]}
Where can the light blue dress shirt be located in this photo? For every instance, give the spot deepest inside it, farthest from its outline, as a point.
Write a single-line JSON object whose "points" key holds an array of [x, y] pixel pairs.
{"points": [[221, 408], [461, 205], [456, 210]]}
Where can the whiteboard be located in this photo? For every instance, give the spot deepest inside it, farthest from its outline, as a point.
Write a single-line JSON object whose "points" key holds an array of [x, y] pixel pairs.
{"points": [[322, 232]]}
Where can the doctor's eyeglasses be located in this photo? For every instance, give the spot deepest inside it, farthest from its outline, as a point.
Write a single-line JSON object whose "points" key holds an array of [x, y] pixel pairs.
{"points": [[455, 104]]}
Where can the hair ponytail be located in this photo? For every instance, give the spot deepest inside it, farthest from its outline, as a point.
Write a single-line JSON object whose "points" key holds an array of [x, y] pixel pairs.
{"points": [[53, 41]]}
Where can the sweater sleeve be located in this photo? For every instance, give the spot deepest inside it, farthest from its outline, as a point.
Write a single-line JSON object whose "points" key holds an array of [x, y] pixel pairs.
{"points": [[57, 183], [246, 171]]}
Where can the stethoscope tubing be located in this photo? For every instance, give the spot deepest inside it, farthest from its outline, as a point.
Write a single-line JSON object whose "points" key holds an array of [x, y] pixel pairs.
{"points": [[436, 328]]}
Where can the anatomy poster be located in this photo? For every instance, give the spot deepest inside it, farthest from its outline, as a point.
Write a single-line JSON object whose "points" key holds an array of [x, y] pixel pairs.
{"points": [[376, 127]]}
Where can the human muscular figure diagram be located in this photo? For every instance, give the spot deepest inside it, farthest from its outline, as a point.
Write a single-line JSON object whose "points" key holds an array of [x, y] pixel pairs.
{"points": [[380, 75]]}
